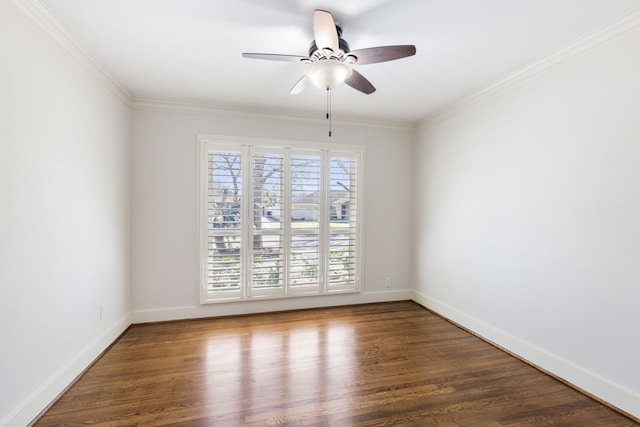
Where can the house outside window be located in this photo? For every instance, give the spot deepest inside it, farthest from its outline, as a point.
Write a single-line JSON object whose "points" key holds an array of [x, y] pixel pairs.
{"points": [[278, 219]]}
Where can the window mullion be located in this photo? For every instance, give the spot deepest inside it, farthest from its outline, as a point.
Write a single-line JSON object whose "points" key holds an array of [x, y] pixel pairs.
{"points": [[325, 223], [286, 223], [246, 217], [357, 206], [203, 220]]}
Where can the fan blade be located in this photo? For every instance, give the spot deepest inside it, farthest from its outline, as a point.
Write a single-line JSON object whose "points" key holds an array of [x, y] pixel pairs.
{"points": [[373, 55], [301, 85], [359, 82], [275, 57], [324, 30]]}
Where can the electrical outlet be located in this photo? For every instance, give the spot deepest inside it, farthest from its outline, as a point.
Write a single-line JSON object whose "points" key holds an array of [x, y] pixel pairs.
{"points": [[387, 282]]}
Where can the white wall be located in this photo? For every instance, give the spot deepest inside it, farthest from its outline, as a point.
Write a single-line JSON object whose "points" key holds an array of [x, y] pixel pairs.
{"points": [[528, 218], [64, 217], [524, 211], [164, 209]]}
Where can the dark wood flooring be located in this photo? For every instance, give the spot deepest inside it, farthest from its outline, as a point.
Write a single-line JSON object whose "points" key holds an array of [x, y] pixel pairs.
{"points": [[368, 365]]}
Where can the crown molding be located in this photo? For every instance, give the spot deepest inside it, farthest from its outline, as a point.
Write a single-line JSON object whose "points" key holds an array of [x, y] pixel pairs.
{"points": [[50, 25], [175, 106], [614, 29]]}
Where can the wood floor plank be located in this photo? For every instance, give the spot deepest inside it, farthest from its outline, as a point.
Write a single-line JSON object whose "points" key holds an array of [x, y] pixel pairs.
{"points": [[377, 364]]}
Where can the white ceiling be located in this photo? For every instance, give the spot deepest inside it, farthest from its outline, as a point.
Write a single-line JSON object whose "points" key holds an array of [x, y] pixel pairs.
{"points": [[190, 50]]}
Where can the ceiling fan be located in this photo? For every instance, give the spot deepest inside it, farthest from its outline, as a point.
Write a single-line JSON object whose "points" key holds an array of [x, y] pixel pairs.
{"points": [[330, 62]]}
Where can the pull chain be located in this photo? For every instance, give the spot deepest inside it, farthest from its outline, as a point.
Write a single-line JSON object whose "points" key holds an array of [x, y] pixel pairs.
{"points": [[329, 109]]}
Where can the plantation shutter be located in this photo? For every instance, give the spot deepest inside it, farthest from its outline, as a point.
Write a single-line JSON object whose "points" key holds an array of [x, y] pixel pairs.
{"points": [[305, 202], [343, 214], [224, 212], [277, 221], [268, 218]]}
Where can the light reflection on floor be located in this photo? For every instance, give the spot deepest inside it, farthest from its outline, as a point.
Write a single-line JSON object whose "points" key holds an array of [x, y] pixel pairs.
{"points": [[310, 361]]}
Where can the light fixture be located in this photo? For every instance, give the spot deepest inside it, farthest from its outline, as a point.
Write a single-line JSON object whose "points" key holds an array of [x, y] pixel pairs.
{"points": [[328, 73], [330, 61]]}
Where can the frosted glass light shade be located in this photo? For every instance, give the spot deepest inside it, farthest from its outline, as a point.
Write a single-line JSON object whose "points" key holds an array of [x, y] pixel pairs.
{"points": [[328, 73]]}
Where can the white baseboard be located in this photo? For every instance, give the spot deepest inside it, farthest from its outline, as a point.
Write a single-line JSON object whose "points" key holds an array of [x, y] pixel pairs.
{"points": [[40, 399], [601, 388], [267, 305]]}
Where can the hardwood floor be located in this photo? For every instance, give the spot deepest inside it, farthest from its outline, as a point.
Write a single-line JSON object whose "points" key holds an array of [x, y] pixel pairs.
{"points": [[377, 364]]}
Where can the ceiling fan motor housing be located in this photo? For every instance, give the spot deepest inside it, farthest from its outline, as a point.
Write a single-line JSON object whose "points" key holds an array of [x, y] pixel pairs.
{"points": [[343, 46]]}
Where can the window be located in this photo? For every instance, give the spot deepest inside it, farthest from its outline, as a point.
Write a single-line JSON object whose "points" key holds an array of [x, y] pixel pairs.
{"points": [[278, 220]]}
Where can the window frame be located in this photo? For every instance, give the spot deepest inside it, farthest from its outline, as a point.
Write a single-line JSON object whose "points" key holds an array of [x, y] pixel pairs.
{"points": [[248, 147]]}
